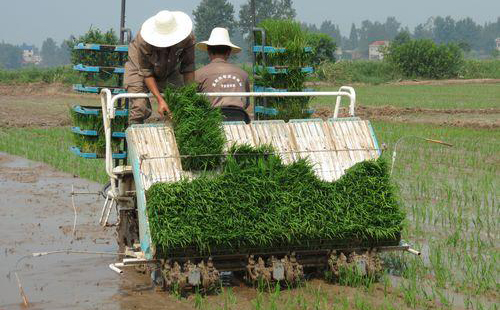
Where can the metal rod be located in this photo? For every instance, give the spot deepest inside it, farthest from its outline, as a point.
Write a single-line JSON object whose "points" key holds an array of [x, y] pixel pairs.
{"points": [[122, 22], [254, 17], [115, 268], [412, 251]]}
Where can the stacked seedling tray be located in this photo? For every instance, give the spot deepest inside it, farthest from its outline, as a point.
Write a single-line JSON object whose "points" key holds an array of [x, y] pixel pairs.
{"points": [[281, 66], [88, 132], [101, 66]]}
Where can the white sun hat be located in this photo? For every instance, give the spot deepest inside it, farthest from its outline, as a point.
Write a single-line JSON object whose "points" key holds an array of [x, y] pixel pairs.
{"points": [[166, 28], [219, 36]]}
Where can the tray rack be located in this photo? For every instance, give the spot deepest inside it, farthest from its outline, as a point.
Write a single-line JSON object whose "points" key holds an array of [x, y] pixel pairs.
{"points": [[95, 132], [261, 107], [92, 135]]}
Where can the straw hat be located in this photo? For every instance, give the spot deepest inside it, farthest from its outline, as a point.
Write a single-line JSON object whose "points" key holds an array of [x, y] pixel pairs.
{"points": [[166, 28], [219, 36]]}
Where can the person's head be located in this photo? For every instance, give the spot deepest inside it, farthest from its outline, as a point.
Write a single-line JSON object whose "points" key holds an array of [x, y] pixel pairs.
{"points": [[166, 28], [219, 45], [218, 51]]}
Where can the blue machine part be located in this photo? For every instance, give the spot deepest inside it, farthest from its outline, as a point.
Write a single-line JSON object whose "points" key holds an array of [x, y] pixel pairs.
{"points": [[266, 111], [97, 111], [270, 49], [96, 89], [274, 70], [262, 89], [77, 151], [101, 47], [144, 232], [95, 69], [94, 133]]}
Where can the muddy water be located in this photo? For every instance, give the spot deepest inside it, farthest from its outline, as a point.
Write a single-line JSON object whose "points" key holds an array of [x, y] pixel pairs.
{"points": [[36, 215]]}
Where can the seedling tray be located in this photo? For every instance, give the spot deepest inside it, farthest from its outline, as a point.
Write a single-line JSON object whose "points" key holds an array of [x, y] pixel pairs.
{"points": [[97, 89], [76, 150], [97, 69], [101, 47]]}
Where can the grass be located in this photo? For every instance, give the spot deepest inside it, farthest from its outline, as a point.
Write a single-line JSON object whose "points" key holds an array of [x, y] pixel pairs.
{"points": [[464, 96], [451, 197], [377, 72], [64, 75], [51, 146]]}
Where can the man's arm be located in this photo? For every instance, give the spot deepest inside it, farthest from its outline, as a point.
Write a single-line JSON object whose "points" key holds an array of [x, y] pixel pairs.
{"points": [[188, 77], [163, 108]]}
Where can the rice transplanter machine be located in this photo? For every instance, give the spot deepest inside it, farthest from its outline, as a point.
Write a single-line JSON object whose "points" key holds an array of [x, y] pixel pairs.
{"points": [[332, 146]]}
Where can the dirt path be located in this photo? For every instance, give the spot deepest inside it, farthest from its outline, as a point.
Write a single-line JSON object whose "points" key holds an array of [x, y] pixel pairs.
{"points": [[471, 118]]}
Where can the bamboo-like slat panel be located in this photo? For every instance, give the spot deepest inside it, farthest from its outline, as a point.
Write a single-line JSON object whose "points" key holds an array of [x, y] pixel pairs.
{"points": [[331, 146]]}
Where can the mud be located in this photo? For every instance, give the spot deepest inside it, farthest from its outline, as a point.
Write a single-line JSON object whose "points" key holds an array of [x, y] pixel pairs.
{"points": [[417, 82], [36, 215], [471, 118]]}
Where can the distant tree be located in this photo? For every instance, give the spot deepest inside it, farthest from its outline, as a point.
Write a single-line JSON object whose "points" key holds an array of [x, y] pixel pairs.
{"points": [[467, 32], [284, 9], [49, 53], [213, 13], [489, 33], [444, 29], [375, 31], [329, 28], [391, 28], [323, 47], [64, 53], [208, 15], [353, 38], [402, 38], [424, 58], [424, 31], [11, 56], [310, 27], [264, 9]]}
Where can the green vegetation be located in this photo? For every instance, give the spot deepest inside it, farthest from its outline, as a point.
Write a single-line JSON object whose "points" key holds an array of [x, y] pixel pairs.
{"points": [[96, 144], [425, 59], [286, 34], [197, 126], [265, 203], [64, 75], [481, 69], [377, 72], [453, 96], [323, 47], [451, 196], [358, 71], [51, 146]]}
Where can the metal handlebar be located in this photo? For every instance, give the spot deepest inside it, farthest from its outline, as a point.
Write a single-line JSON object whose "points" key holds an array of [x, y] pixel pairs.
{"points": [[108, 110]]}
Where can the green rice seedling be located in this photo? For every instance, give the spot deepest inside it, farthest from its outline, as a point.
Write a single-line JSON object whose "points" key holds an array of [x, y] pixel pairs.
{"points": [[261, 202], [286, 34], [96, 144], [197, 126]]}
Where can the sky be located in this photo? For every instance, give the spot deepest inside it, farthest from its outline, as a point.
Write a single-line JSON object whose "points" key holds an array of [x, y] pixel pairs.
{"points": [[32, 21]]}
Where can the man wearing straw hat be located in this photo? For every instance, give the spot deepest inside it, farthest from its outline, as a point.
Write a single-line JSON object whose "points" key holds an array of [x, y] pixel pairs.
{"points": [[160, 53], [220, 75]]}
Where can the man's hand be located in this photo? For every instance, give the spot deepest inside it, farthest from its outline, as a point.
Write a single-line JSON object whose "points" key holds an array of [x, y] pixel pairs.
{"points": [[163, 108]]}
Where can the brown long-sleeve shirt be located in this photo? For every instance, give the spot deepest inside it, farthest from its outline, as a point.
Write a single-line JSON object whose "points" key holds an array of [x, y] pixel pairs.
{"points": [[221, 76], [165, 64]]}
